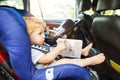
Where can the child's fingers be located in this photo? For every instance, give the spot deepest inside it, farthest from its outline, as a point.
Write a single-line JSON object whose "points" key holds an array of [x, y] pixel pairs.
{"points": [[61, 41]]}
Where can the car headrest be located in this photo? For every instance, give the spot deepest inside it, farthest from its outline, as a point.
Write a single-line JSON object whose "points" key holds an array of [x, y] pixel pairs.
{"points": [[84, 5], [108, 5], [107, 28], [14, 38]]}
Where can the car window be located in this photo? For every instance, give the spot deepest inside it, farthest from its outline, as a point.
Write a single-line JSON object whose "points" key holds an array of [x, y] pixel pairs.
{"points": [[14, 3], [54, 9]]}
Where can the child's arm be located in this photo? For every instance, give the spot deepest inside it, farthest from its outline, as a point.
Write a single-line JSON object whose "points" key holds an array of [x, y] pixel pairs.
{"points": [[49, 57]]}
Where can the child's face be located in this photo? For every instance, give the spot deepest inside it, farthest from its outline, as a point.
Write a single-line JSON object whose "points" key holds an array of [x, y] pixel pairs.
{"points": [[38, 37]]}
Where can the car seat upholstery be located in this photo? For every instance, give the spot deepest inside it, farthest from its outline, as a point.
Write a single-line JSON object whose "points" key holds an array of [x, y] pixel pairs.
{"points": [[23, 12], [15, 40], [85, 5], [106, 30], [85, 23], [6, 72]]}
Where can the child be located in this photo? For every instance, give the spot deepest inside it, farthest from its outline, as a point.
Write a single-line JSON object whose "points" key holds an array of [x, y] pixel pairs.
{"points": [[43, 57]]}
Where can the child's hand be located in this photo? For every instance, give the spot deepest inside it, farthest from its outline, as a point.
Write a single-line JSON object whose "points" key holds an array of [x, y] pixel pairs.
{"points": [[61, 44]]}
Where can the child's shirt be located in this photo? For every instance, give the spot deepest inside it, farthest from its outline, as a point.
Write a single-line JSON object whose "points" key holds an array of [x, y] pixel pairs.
{"points": [[37, 51]]}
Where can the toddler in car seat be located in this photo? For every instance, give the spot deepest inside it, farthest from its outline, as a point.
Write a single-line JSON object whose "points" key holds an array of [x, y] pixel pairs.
{"points": [[43, 56]]}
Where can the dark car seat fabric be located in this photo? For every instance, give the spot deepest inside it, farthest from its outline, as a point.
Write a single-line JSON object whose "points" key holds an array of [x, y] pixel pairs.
{"points": [[108, 5], [14, 38], [84, 5], [106, 30], [94, 7], [83, 26]]}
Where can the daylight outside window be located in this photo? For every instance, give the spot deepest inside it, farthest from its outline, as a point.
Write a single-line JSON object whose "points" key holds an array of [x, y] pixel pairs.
{"points": [[14, 3], [54, 9]]}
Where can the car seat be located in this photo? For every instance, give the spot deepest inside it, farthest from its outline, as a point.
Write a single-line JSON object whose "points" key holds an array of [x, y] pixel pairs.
{"points": [[16, 48], [94, 6], [106, 31], [82, 29]]}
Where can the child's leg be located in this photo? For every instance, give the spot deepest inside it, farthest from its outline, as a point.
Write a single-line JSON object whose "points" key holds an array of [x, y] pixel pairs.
{"points": [[83, 62], [85, 51]]}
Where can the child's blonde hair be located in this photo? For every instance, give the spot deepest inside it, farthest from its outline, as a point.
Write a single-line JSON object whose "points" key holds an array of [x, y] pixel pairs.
{"points": [[33, 23]]}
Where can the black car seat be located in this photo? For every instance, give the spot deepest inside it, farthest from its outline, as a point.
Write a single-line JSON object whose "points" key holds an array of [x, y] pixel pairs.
{"points": [[82, 29], [94, 6], [106, 31]]}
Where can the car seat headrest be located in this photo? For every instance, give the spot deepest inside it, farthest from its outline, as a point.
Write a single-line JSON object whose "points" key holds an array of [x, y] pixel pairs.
{"points": [[108, 5], [84, 5], [107, 28]]}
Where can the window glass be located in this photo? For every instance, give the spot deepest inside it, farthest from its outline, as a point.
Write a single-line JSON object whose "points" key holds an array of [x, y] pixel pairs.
{"points": [[14, 3], [54, 9], [117, 12]]}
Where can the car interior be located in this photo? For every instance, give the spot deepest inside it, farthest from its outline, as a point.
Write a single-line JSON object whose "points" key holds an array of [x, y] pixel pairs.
{"points": [[103, 31]]}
